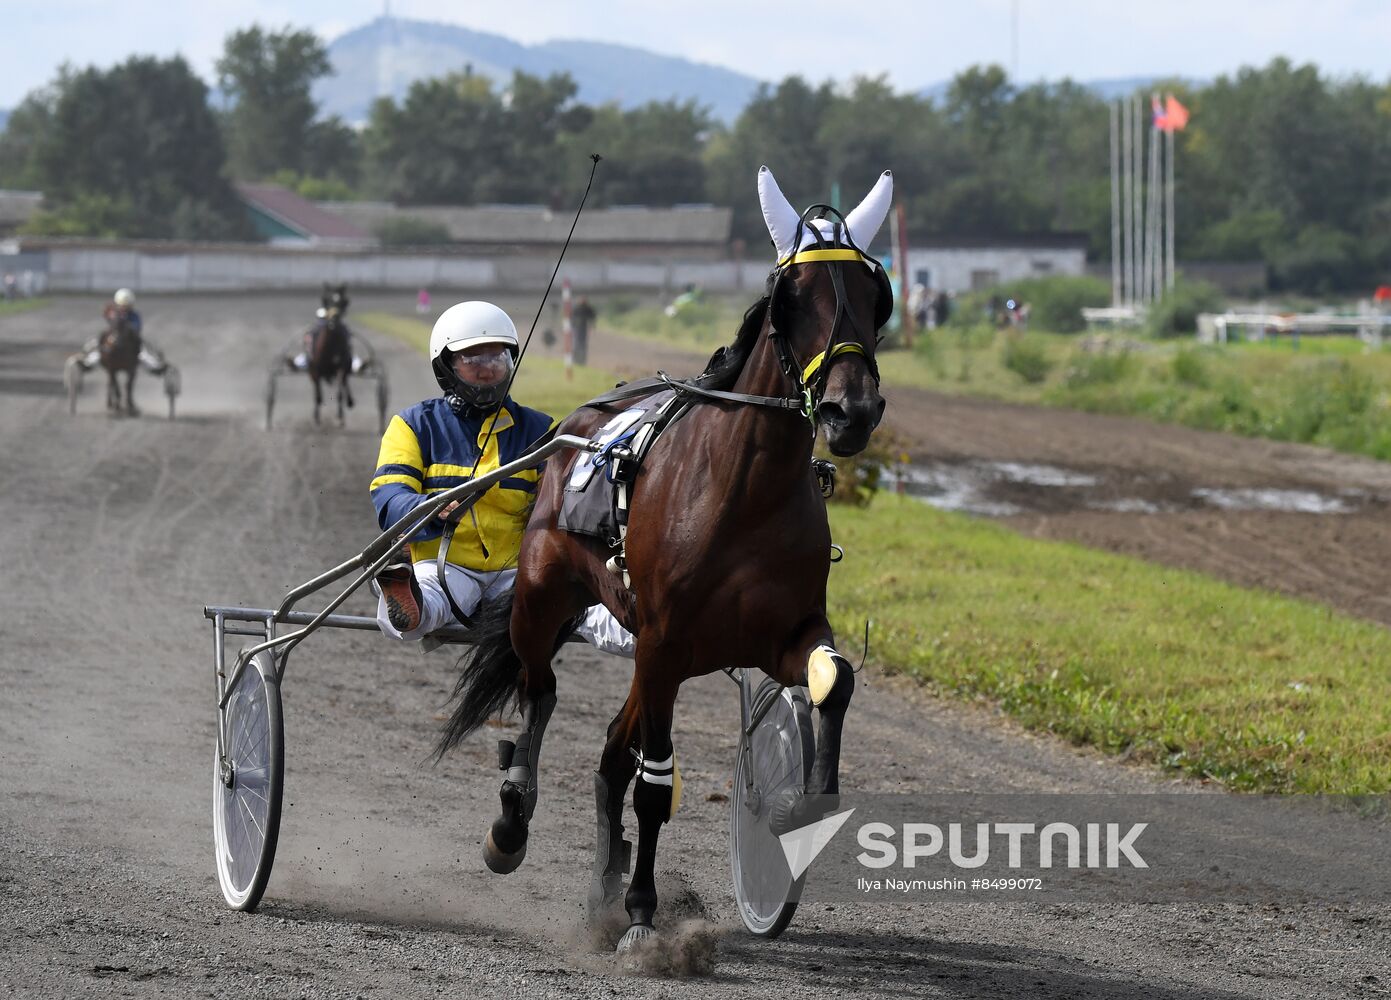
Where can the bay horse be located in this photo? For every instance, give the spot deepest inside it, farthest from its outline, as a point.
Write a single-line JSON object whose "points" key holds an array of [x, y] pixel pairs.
{"points": [[728, 550], [328, 350], [119, 351]]}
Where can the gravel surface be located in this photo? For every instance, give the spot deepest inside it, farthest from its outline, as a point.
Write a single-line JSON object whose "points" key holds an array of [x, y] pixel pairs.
{"points": [[118, 531]]}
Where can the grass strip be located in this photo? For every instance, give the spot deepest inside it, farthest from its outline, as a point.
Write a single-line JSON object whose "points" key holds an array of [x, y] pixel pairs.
{"points": [[1256, 691], [12, 306]]}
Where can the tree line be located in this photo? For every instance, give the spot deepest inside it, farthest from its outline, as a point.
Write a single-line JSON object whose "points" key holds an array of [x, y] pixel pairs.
{"points": [[1278, 163]]}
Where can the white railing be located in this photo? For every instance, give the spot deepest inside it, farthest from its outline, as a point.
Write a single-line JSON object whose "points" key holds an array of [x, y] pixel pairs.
{"points": [[1217, 327]]}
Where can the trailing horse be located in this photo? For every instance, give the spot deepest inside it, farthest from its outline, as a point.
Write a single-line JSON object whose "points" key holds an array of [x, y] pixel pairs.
{"points": [[328, 350], [119, 350], [726, 553]]}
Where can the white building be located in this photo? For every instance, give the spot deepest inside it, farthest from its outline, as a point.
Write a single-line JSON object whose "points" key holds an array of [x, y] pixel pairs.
{"points": [[965, 264]]}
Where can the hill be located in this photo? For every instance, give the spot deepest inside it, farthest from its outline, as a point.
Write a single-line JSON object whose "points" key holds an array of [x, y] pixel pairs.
{"points": [[382, 59]]}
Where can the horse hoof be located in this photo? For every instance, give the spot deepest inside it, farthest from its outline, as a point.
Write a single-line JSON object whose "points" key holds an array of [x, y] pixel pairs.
{"points": [[637, 934], [792, 810], [499, 863]]}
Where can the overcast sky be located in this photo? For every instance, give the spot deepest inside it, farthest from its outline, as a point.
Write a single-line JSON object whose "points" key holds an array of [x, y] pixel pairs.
{"points": [[915, 43]]}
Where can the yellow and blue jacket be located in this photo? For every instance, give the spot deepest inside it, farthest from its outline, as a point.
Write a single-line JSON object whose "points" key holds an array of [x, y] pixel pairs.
{"points": [[429, 448]]}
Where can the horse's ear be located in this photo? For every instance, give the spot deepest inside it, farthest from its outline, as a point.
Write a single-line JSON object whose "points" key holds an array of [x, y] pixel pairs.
{"points": [[782, 219], [868, 216]]}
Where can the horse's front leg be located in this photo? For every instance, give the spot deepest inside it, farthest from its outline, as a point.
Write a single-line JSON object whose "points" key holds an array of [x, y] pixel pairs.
{"points": [[657, 792], [130, 394], [113, 393], [342, 392], [318, 396], [830, 680]]}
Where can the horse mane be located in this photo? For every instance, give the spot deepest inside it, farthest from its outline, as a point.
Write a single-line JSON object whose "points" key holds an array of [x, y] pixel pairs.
{"points": [[724, 366]]}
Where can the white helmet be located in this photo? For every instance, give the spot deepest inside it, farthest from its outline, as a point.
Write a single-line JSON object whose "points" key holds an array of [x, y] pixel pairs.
{"points": [[467, 325], [124, 298], [470, 323]]}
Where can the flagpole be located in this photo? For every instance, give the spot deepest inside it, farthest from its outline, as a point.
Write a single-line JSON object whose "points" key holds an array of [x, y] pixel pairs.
{"points": [[1137, 188], [1155, 205], [1116, 291], [1147, 233], [1127, 205], [1169, 229]]}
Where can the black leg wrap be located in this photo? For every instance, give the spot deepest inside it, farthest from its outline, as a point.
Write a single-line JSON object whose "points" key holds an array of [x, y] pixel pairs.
{"points": [[824, 781], [612, 854], [504, 848]]}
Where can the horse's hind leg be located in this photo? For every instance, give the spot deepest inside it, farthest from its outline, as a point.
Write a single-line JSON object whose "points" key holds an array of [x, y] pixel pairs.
{"points": [[611, 851], [504, 848], [538, 618], [657, 792]]}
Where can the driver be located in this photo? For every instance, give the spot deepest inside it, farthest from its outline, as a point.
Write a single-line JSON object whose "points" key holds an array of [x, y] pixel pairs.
{"points": [[433, 446], [121, 309]]}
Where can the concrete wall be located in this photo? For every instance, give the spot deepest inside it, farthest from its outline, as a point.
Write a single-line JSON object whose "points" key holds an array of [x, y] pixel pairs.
{"points": [[80, 267], [964, 269]]}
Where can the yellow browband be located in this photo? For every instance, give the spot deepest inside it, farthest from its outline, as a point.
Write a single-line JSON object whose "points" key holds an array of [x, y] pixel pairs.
{"points": [[808, 256], [849, 347]]}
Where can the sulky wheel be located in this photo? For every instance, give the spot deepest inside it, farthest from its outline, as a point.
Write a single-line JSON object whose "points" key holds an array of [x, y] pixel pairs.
{"points": [[777, 758], [173, 385], [247, 785], [72, 380], [383, 412], [270, 396]]}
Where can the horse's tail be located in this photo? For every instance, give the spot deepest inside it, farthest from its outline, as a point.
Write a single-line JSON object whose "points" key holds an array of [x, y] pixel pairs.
{"points": [[488, 679]]}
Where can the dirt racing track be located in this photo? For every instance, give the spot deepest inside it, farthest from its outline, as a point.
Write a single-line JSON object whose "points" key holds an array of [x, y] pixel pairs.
{"points": [[117, 531]]}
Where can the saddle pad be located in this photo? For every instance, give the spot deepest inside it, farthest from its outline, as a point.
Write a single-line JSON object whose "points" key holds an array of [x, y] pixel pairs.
{"points": [[587, 506]]}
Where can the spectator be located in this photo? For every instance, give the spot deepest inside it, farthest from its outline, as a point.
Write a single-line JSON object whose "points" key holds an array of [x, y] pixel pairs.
{"points": [[581, 319]]}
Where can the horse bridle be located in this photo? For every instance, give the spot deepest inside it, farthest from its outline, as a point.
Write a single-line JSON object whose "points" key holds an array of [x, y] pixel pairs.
{"points": [[811, 379]]}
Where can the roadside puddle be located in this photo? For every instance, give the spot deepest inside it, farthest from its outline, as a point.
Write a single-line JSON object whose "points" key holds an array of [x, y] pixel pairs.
{"points": [[1005, 489]]}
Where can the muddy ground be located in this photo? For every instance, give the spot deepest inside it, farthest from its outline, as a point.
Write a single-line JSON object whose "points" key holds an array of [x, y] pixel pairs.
{"points": [[117, 531]]}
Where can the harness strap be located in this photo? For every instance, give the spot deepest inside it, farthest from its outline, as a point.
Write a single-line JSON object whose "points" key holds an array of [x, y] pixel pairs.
{"points": [[692, 387], [848, 347], [811, 256]]}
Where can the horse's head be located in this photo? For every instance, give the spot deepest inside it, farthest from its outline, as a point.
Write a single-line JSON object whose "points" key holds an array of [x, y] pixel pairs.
{"points": [[335, 302], [828, 300]]}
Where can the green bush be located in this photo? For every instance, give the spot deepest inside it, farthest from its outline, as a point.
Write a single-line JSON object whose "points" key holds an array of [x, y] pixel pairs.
{"points": [[1189, 368], [1176, 314], [1086, 370], [1028, 358], [411, 231]]}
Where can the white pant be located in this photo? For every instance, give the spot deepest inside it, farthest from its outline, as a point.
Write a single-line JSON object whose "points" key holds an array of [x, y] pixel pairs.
{"points": [[470, 587]]}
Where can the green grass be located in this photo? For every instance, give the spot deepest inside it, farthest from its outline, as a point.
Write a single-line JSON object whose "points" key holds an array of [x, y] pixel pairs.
{"points": [[1256, 691], [541, 383], [21, 305]]}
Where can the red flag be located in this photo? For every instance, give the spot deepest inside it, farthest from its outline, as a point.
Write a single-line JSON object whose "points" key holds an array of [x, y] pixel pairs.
{"points": [[1175, 115]]}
